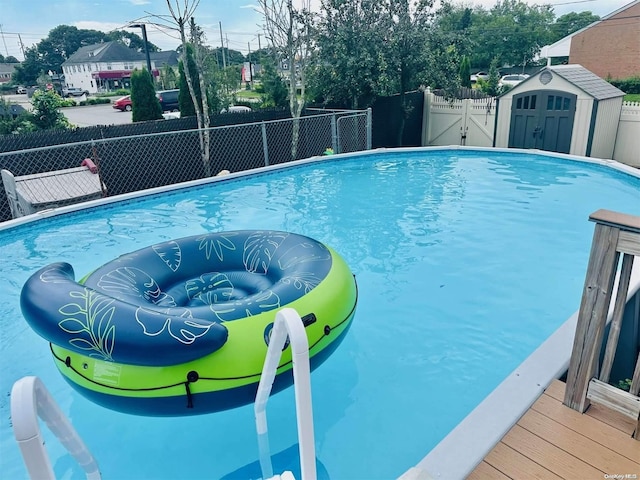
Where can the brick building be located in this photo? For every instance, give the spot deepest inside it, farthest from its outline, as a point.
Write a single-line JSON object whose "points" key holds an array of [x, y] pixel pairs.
{"points": [[609, 47]]}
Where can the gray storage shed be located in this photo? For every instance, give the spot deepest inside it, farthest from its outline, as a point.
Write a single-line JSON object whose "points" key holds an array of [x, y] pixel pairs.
{"points": [[565, 109]]}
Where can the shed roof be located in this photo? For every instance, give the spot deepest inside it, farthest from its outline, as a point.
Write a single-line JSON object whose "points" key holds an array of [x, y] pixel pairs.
{"points": [[587, 81]]}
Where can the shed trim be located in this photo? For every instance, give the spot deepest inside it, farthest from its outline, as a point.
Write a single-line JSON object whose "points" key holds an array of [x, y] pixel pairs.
{"points": [[592, 127]]}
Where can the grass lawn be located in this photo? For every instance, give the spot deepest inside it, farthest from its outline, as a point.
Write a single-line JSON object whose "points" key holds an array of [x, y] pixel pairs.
{"points": [[632, 97], [247, 94]]}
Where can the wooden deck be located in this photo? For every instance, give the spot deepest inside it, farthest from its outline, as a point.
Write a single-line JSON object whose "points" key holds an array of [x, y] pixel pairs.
{"points": [[553, 441]]}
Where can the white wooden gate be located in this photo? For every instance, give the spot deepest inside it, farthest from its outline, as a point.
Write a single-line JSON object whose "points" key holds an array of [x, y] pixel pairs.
{"points": [[459, 122]]}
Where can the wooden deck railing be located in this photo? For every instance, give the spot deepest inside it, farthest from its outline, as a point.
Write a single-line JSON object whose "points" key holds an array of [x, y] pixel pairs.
{"points": [[615, 234]]}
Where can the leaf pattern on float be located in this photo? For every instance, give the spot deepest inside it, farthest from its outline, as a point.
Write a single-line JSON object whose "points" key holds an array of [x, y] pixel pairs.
{"points": [[170, 253], [90, 318], [132, 282], [256, 304], [259, 248], [306, 281], [212, 288], [302, 253], [155, 323], [217, 244], [52, 275]]}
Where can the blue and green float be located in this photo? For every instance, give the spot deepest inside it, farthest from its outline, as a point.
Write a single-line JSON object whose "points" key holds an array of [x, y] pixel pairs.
{"points": [[182, 327]]}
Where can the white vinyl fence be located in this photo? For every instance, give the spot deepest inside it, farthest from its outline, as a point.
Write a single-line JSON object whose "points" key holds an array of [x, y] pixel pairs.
{"points": [[471, 122], [627, 148]]}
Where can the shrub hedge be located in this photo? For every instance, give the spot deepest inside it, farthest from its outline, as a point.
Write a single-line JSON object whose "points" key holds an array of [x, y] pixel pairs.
{"points": [[627, 85]]}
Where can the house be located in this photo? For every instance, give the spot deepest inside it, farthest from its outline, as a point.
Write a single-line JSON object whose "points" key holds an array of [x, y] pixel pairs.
{"points": [[6, 71], [610, 47], [107, 66]]}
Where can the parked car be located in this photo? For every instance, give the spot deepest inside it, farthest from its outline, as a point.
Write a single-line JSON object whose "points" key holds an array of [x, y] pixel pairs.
{"points": [[235, 109], [512, 80], [480, 75], [21, 89], [168, 100], [74, 92], [123, 104]]}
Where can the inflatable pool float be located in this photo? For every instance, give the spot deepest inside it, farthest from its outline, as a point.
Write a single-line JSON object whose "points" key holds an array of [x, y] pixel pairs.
{"points": [[182, 327]]}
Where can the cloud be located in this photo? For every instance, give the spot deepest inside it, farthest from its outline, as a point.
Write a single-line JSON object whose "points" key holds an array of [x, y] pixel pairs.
{"points": [[96, 25], [140, 2]]}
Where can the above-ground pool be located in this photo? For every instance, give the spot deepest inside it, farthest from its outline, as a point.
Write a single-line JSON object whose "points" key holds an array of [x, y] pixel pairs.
{"points": [[466, 261]]}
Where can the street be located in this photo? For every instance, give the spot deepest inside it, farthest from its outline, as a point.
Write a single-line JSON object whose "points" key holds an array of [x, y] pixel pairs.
{"points": [[96, 115], [86, 116]]}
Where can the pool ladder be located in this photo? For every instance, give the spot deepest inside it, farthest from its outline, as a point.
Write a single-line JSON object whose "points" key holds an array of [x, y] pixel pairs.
{"points": [[29, 400], [287, 321]]}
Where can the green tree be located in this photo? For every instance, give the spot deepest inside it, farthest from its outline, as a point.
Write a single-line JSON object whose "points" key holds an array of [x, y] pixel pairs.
{"points": [[570, 23], [144, 102], [168, 78], [273, 90], [20, 124], [490, 86], [187, 108], [132, 40], [465, 72], [349, 65], [11, 59], [46, 114], [512, 30]]}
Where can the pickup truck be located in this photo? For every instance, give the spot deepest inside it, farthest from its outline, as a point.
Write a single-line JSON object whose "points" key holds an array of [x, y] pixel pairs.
{"points": [[73, 92]]}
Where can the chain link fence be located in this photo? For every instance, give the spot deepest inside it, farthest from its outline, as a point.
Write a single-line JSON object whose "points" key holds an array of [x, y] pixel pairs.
{"points": [[41, 176]]}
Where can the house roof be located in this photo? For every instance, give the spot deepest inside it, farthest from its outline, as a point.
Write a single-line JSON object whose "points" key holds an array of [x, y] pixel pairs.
{"points": [[104, 52], [561, 47], [587, 81], [168, 57], [8, 67]]}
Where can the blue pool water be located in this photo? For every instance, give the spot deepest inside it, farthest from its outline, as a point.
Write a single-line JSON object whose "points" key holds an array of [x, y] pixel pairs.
{"points": [[466, 261]]}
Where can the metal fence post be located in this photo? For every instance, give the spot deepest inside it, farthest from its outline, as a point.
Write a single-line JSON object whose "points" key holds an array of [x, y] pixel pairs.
{"points": [[369, 125], [334, 134], [265, 148]]}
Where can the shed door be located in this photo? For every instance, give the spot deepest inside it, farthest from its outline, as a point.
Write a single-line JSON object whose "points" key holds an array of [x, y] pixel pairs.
{"points": [[542, 119]]}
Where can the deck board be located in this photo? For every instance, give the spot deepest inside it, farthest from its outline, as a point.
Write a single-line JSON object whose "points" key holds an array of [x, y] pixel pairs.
{"points": [[552, 441], [513, 463], [484, 471], [590, 427]]}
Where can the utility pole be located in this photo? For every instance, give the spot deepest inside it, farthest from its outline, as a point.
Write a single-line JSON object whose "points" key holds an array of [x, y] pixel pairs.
{"points": [[4, 41], [146, 46], [21, 45], [224, 59], [250, 66], [259, 47]]}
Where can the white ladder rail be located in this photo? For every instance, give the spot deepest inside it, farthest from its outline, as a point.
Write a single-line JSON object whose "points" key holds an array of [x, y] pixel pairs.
{"points": [[29, 400], [288, 321]]}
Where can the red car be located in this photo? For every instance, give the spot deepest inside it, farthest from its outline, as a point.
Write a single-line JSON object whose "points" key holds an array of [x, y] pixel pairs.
{"points": [[123, 104]]}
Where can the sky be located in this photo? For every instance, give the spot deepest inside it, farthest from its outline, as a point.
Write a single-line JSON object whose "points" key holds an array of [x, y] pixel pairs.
{"points": [[29, 21]]}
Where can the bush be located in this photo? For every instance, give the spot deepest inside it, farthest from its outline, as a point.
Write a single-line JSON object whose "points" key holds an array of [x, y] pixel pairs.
{"points": [[143, 97], [627, 85], [121, 92], [95, 101]]}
